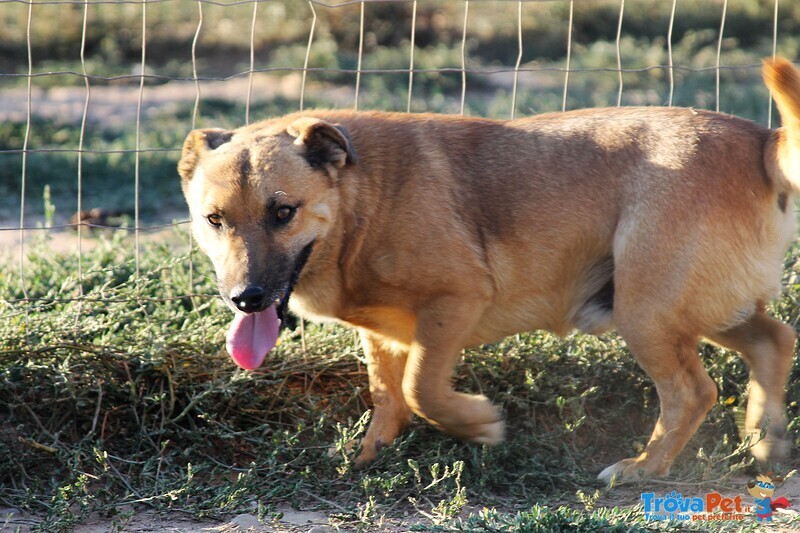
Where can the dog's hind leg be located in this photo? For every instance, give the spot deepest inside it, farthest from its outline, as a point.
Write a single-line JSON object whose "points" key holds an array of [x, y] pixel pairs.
{"points": [[686, 394], [443, 328], [767, 346], [386, 361]]}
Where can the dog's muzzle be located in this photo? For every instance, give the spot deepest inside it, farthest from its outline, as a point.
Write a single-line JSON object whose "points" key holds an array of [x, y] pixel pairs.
{"points": [[256, 298]]}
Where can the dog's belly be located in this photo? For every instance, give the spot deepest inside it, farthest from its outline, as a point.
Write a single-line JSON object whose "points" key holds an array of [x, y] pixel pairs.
{"points": [[500, 323], [551, 284], [536, 313]]}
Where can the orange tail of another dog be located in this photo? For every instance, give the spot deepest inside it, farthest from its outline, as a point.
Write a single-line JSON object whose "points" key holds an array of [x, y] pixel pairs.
{"points": [[783, 151]]}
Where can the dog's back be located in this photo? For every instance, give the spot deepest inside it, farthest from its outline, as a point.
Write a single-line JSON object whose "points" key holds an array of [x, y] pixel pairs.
{"points": [[561, 208]]}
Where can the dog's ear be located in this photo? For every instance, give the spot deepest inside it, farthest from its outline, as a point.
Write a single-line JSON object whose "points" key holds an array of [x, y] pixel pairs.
{"points": [[197, 143], [326, 144]]}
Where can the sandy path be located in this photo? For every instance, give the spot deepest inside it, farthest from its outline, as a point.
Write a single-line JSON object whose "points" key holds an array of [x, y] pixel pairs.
{"points": [[117, 105]]}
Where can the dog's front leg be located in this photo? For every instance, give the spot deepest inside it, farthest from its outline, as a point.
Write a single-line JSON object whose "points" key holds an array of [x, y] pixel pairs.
{"points": [[386, 361], [443, 328]]}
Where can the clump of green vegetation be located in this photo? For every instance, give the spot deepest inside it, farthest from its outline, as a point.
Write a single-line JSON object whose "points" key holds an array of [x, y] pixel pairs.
{"points": [[542, 519], [115, 390], [114, 34]]}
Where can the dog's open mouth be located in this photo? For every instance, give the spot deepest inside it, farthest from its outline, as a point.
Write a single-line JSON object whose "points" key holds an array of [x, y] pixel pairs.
{"points": [[251, 336]]}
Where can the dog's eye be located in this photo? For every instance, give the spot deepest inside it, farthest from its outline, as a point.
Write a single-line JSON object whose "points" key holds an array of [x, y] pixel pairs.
{"points": [[284, 214], [215, 220]]}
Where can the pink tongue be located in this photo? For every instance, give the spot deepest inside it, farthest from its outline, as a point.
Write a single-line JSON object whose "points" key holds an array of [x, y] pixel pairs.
{"points": [[251, 336]]}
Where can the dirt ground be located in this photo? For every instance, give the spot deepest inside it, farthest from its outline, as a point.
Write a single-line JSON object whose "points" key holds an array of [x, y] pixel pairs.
{"points": [[149, 521], [117, 105], [292, 520]]}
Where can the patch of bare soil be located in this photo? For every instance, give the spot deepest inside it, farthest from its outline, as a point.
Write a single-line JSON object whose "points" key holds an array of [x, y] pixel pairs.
{"points": [[290, 521], [118, 105], [294, 521]]}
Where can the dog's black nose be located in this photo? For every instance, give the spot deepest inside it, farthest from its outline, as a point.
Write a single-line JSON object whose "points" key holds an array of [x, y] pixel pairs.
{"points": [[251, 299]]}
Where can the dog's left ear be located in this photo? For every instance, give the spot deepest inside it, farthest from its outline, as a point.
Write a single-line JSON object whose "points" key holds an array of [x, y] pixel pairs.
{"points": [[326, 144], [196, 144]]}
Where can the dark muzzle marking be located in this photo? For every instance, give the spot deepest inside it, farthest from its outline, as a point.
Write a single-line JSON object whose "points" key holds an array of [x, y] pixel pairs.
{"points": [[782, 201], [283, 306]]}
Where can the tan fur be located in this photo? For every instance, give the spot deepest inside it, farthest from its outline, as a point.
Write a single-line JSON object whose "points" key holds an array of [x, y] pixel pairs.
{"points": [[431, 233]]}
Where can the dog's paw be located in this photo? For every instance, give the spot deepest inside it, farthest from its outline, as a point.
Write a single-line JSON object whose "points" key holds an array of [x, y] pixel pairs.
{"points": [[348, 448], [365, 453], [773, 448], [477, 420], [625, 471], [630, 470], [492, 433], [369, 452], [613, 475]]}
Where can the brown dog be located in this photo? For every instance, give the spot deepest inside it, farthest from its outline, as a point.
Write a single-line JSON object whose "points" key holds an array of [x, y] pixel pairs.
{"points": [[430, 233]]}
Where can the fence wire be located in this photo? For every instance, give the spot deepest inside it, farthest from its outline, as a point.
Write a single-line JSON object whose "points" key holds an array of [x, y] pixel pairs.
{"points": [[141, 16]]}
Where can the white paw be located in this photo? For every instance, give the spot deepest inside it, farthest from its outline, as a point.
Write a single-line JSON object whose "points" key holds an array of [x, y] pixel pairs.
{"points": [[348, 448], [616, 474], [769, 449], [491, 434], [609, 474]]}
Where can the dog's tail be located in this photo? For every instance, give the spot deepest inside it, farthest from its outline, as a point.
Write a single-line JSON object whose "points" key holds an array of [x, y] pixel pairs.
{"points": [[782, 155]]}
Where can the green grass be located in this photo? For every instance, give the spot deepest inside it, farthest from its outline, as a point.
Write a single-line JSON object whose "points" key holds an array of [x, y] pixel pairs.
{"points": [[546, 520], [114, 31], [125, 396]]}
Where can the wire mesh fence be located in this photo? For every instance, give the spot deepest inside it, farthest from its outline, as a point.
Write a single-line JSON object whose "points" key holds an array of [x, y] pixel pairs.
{"points": [[96, 96]]}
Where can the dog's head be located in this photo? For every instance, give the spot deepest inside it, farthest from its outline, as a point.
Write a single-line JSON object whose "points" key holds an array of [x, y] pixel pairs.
{"points": [[261, 198]]}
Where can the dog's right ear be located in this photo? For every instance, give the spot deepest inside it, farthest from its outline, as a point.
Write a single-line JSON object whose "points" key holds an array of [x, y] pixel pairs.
{"points": [[327, 146], [197, 143]]}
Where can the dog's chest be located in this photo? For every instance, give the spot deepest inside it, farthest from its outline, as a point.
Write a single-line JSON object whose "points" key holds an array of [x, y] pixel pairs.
{"points": [[318, 300]]}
